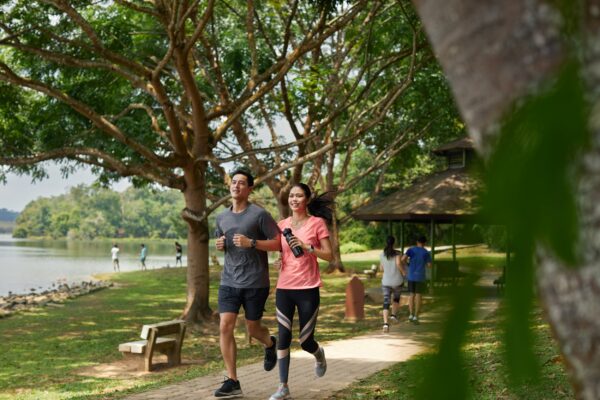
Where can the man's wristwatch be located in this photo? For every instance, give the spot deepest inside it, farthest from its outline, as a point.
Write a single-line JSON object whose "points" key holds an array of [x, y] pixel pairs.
{"points": [[253, 243], [311, 249]]}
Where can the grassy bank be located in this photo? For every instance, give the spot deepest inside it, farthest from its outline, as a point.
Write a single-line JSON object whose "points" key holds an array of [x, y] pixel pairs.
{"points": [[49, 353], [44, 353]]}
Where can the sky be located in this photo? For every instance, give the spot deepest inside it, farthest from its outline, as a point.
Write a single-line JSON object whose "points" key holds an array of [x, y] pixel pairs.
{"points": [[18, 190]]}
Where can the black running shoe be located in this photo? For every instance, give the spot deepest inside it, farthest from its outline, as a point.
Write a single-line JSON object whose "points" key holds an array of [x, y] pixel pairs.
{"points": [[271, 355], [230, 388]]}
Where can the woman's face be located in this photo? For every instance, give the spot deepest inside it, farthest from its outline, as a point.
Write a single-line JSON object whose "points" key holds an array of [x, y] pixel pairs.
{"points": [[297, 199]]}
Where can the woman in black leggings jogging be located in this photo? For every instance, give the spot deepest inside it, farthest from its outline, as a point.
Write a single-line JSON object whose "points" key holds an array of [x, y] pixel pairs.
{"points": [[299, 278]]}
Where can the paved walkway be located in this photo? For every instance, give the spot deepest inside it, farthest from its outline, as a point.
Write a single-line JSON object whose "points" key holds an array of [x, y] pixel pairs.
{"points": [[348, 361]]}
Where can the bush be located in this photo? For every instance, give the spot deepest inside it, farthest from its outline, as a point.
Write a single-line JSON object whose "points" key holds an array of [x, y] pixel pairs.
{"points": [[351, 247]]}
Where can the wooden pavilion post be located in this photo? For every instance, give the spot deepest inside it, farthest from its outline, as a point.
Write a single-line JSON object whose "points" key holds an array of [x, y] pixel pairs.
{"points": [[505, 270], [453, 240], [432, 238], [402, 236]]}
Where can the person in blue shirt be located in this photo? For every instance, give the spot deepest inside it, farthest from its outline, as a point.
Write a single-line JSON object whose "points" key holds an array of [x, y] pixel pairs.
{"points": [[418, 259]]}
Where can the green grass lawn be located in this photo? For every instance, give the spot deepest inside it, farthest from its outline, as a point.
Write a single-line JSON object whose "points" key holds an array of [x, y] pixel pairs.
{"points": [[488, 379], [42, 351]]}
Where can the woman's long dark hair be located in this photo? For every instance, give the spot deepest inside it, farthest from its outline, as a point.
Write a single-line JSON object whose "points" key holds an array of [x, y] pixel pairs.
{"points": [[320, 206], [389, 250]]}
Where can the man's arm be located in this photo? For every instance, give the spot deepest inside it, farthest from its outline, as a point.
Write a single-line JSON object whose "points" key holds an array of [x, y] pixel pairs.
{"points": [[265, 245], [269, 244]]}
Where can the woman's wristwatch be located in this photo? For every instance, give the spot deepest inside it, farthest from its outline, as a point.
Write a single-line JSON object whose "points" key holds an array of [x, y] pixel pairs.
{"points": [[311, 249]]}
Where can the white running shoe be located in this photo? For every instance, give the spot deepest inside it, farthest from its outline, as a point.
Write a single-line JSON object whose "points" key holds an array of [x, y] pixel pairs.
{"points": [[282, 393], [321, 366]]}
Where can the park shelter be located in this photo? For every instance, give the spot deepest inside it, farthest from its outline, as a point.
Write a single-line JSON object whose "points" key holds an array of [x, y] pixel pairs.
{"points": [[449, 196]]}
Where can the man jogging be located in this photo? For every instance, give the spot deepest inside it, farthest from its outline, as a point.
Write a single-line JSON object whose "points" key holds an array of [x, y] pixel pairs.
{"points": [[245, 232], [418, 259]]}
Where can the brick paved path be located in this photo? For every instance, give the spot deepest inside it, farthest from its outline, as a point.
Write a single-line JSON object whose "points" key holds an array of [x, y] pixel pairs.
{"points": [[348, 361]]}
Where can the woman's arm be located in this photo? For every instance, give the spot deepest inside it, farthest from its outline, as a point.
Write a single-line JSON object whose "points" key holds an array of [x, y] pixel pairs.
{"points": [[324, 252], [403, 262]]}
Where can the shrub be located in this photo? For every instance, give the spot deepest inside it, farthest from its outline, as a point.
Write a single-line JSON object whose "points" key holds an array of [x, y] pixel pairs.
{"points": [[352, 247]]}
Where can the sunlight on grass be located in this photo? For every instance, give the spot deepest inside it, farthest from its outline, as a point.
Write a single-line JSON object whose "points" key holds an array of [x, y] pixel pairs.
{"points": [[42, 351]]}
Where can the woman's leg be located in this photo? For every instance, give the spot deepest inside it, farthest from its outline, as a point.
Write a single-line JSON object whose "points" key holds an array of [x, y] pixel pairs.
{"points": [[308, 302], [285, 308]]}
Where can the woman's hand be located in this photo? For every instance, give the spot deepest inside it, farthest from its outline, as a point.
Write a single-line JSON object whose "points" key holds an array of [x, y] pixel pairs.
{"points": [[297, 242], [277, 263]]}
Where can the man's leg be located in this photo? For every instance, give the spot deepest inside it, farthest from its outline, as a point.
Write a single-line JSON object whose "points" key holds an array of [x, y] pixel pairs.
{"points": [[227, 342], [254, 301], [417, 304], [259, 332]]}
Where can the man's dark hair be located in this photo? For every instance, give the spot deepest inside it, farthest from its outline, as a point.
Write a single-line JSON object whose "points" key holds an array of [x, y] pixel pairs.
{"points": [[243, 171], [422, 239]]}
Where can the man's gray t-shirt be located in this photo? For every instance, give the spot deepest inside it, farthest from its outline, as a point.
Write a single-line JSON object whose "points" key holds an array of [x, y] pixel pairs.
{"points": [[246, 267]]}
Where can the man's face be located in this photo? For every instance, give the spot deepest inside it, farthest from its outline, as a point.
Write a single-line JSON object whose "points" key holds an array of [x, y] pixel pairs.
{"points": [[239, 188]]}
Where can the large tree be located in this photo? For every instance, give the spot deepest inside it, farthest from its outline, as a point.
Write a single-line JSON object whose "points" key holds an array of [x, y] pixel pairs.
{"points": [[153, 90], [510, 65]]}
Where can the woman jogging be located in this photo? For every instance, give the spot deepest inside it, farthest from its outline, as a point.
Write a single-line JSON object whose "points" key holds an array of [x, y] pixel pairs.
{"points": [[300, 279], [391, 282]]}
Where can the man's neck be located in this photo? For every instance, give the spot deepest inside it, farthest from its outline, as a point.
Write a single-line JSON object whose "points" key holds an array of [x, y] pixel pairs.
{"points": [[239, 205]]}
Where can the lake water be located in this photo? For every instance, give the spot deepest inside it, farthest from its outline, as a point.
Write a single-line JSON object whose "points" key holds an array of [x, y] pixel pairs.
{"points": [[37, 264]]}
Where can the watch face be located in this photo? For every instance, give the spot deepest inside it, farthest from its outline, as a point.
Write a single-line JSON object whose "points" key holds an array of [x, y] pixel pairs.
{"points": [[253, 243]]}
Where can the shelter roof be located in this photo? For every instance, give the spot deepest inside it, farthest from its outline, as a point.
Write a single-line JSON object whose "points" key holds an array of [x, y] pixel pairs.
{"points": [[462, 143], [444, 196]]}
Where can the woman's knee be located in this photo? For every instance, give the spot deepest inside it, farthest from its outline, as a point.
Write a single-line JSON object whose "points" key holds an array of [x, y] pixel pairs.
{"points": [[309, 345]]}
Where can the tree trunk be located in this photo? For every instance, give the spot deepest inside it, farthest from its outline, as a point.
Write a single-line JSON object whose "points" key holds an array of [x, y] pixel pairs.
{"points": [[493, 53], [197, 308], [336, 263]]}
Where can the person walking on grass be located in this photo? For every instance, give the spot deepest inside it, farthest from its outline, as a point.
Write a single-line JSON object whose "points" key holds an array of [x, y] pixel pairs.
{"points": [[418, 259], [304, 239], [143, 254], [178, 254], [245, 232], [391, 282], [115, 257]]}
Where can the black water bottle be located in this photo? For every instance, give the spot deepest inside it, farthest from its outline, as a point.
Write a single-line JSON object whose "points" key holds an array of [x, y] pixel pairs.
{"points": [[298, 252]]}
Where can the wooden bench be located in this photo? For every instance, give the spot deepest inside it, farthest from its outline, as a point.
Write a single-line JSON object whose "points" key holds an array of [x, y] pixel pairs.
{"points": [[372, 272], [499, 282], [164, 337]]}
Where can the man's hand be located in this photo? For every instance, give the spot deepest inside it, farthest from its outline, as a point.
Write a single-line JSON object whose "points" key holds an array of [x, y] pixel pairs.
{"points": [[220, 244], [240, 240]]}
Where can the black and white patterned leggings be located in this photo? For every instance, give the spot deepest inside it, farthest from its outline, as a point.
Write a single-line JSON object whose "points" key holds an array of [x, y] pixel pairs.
{"points": [[307, 302]]}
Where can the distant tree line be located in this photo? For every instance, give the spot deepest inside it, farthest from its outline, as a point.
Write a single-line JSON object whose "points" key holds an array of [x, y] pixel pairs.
{"points": [[7, 215], [88, 212], [7, 220]]}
